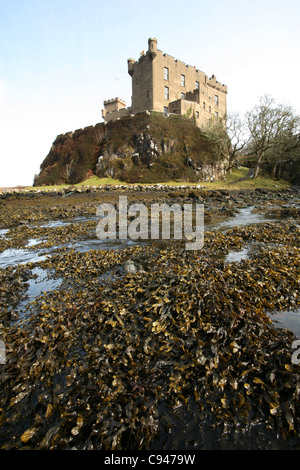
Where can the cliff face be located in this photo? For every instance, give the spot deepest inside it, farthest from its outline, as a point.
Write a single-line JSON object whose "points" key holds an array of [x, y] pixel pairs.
{"points": [[145, 148]]}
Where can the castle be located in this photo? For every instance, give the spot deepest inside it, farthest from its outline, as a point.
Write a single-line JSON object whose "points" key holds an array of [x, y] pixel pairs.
{"points": [[161, 83]]}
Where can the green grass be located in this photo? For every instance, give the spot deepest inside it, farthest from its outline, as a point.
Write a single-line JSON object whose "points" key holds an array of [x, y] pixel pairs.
{"points": [[92, 181], [95, 181], [230, 182]]}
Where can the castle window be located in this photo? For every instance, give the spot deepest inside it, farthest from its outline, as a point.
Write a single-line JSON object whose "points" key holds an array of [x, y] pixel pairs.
{"points": [[166, 110], [166, 73], [166, 93], [209, 109], [216, 100], [197, 85], [197, 114], [203, 104], [183, 96], [216, 114], [182, 80]]}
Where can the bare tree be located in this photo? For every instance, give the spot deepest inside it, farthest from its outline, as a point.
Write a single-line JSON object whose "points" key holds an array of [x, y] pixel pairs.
{"points": [[68, 172], [269, 126], [230, 135], [217, 136], [284, 152], [238, 134]]}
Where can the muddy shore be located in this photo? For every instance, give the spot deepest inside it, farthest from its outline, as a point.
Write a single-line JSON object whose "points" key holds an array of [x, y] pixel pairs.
{"points": [[145, 345]]}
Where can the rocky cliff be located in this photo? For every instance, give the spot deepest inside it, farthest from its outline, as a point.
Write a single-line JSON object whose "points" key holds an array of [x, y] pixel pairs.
{"points": [[145, 148]]}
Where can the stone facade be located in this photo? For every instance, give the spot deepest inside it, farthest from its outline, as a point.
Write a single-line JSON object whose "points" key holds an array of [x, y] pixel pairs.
{"points": [[163, 84]]}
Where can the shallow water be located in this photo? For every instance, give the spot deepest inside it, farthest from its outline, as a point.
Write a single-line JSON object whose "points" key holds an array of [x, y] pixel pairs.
{"points": [[37, 286], [97, 244], [64, 222], [237, 256], [245, 216], [13, 257], [41, 283], [3, 232], [287, 320], [33, 242]]}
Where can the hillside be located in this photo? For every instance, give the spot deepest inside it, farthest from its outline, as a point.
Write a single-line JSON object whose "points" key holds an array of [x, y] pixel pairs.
{"points": [[145, 148]]}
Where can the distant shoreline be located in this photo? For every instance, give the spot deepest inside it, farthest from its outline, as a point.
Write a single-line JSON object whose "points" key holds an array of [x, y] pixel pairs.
{"points": [[5, 188]]}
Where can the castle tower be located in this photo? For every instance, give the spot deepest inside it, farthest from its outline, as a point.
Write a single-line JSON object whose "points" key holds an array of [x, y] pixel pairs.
{"points": [[113, 106], [130, 63], [152, 43]]}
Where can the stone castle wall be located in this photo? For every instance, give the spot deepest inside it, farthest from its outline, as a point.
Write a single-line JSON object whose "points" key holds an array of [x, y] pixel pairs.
{"points": [[164, 84]]}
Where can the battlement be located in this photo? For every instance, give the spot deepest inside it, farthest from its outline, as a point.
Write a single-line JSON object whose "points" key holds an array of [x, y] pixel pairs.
{"points": [[132, 62], [143, 54], [115, 100], [72, 134], [115, 114], [213, 82], [114, 105]]}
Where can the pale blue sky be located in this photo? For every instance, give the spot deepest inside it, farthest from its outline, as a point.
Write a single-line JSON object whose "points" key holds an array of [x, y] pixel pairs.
{"points": [[60, 59]]}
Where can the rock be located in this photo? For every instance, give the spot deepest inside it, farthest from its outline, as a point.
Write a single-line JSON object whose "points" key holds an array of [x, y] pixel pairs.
{"points": [[136, 158], [294, 227], [130, 267]]}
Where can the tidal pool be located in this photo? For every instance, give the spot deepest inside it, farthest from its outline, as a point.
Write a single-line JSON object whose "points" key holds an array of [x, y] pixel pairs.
{"points": [[39, 284]]}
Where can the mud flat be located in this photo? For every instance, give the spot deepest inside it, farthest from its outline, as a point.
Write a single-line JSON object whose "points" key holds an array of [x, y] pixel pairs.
{"points": [[145, 345]]}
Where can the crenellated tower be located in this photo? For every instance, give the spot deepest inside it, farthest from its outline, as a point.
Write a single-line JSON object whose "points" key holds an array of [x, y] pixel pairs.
{"points": [[152, 48]]}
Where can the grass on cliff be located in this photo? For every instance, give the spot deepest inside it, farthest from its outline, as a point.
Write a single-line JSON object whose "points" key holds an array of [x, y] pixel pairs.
{"points": [[232, 181]]}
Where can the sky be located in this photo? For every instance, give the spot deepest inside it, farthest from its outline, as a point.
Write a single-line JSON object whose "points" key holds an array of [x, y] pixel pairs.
{"points": [[60, 59]]}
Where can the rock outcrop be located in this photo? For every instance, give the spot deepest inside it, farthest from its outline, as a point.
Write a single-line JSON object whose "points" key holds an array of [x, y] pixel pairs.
{"points": [[145, 148]]}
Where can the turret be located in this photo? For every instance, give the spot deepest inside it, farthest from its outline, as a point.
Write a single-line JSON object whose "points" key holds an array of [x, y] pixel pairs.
{"points": [[152, 47], [130, 63]]}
